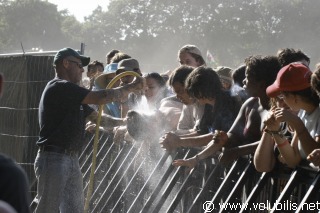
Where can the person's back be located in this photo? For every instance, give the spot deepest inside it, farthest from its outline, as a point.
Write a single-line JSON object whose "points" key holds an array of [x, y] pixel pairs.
{"points": [[14, 186]]}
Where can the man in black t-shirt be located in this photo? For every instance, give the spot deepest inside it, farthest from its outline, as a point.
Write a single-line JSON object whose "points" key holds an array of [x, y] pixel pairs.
{"points": [[63, 110]]}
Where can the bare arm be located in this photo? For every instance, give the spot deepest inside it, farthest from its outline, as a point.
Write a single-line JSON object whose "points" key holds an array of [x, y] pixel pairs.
{"points": [[264, 159], [218, 140], [235, 133], [107, 121], [171, 141], [291, 153], [308, 143], [116, 94]]}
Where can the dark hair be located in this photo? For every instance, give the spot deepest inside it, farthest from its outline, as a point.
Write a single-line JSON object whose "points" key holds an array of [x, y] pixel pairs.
{"points": [[289, 55], [203, 82], [263, 69], [238, 75], [119, 57], [308, 95], [111, 53], [95, 63], [180, 74], [156, 76], [315, 79]]}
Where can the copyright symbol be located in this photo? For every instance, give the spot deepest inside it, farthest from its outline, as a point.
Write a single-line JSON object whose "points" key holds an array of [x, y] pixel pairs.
{"points": [[208, 206]]}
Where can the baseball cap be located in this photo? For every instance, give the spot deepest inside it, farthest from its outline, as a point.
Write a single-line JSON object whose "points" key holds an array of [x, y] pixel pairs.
{"points": [[104, 79], [65, 52], [293, 77], [129, 64], [224, 73], [189, 48]]}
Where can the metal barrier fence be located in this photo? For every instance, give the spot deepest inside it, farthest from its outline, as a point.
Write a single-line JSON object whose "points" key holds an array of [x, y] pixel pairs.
{"points": [[129, 179]]}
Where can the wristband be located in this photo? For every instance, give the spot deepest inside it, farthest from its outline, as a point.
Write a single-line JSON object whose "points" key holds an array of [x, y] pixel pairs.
{"points": [[272, 133]]}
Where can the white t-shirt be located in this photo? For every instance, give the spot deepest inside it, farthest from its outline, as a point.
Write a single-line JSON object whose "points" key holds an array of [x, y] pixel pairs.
{"points": [[190, 117], [312, 123]]}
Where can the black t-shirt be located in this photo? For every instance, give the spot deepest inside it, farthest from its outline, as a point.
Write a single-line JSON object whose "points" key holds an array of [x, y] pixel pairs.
{"points": [[62, 116], [220, 116]]}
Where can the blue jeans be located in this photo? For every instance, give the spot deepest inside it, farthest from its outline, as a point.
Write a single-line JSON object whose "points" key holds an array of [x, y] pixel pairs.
{"points": [[60, 184]]}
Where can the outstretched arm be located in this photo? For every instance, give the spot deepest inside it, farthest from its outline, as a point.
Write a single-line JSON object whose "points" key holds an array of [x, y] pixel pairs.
{"points": [[229, 155], [218, 141], [171, 141], [107, 121], [117, 94]]}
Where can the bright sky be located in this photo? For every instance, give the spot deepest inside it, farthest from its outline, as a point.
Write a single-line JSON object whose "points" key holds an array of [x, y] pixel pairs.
{"points": [[80, 9]]}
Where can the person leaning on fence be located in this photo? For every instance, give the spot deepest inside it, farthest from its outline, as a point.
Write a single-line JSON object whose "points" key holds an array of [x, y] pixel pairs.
{"points": [[293, 86], [267, 156], [192, 111], [189, 57], [241, 138], [63, 109], [14, 184], [314, 156], [204, 85]]}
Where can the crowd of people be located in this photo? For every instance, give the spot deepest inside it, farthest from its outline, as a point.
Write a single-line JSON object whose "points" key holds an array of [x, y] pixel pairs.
{"points": [[266, 109]]}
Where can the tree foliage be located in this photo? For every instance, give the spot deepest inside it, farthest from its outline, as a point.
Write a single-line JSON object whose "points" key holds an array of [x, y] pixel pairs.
{"points": [[152, 31]]}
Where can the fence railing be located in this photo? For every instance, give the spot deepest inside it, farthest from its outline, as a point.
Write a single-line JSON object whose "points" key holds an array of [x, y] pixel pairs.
{"points": [[139, 177]]}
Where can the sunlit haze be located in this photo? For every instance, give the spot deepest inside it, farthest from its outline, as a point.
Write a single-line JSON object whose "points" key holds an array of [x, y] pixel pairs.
{"points": [[80, 9]]}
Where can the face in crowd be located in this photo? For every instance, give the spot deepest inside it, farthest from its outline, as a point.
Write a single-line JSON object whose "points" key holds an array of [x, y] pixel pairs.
{"points": [[74, 69], [182, 94], [186, 58], [153, 89], [94, 70]]}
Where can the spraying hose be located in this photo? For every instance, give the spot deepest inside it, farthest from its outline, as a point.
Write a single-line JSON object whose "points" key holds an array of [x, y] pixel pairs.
{"points": [[96, 139]]}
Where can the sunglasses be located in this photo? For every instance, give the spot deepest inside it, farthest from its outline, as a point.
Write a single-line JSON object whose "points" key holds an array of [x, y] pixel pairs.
{"points": [[77, 63]]}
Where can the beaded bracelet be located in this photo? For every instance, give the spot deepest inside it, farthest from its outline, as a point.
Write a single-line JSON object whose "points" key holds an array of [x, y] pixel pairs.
{"points": [[272, 133]]}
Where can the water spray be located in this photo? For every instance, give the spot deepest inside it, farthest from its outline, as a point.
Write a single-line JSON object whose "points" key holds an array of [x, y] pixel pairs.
{"points": [[96, 139]]}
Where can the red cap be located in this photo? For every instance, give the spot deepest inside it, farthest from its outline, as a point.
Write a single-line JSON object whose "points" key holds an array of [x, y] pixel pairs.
{"points": [[293, 77]]}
